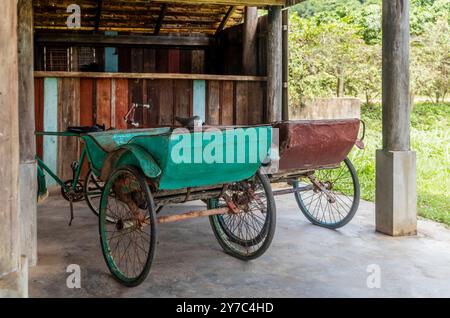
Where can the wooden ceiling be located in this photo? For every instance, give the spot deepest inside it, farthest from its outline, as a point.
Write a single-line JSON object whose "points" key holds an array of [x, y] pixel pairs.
{"points": [[144, 16]]}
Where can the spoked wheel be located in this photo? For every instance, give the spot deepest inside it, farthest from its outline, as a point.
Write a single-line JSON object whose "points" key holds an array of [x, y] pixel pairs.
{"points": [[248, 233], [334, 198], [129, 241], [93, 189]]}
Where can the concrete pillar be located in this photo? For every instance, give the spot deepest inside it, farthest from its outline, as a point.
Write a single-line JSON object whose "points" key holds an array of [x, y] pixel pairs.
{"points": [[250, 42], [274, 65], [27, 168], [13, 268], [396, 196]]}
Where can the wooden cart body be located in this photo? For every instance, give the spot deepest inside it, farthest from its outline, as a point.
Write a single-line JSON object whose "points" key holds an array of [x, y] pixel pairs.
{"points": [[315, 144], [182, 159]]}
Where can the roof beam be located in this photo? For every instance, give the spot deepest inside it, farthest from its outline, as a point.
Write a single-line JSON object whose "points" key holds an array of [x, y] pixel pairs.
{"points": [[225, 19], [162, 14], [122, 40], [98, 15], [254, 3]]}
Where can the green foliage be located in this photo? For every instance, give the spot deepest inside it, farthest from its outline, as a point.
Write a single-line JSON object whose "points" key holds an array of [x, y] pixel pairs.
{"points": [[430, 138], [336, 49]]}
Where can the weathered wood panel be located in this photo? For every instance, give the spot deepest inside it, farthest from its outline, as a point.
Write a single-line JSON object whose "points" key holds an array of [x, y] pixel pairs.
{"points": [[86, 102], [162, 62], [174, 61], [226, 103], [103, 104], [121, 104], [198, 62], [199, 99], [186, 61], [241, 103], [183, 98], [39, 114], [149, 61], [217, 102], [68, 115], [213, 103], [166, 102], [50, 124], [255, 103], [153, 93]]}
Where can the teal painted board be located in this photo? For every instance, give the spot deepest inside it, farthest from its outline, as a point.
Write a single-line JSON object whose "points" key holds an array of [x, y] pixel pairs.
{"points": [[51, 125], [196, 159], [200, 99], [111, 56]]}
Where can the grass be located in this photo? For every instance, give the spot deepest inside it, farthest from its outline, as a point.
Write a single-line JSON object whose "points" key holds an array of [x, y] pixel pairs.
{"points": [[430, 138]]}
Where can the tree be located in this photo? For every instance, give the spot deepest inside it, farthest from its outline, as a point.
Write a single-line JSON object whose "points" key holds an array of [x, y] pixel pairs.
{"points": [[430, 61]]}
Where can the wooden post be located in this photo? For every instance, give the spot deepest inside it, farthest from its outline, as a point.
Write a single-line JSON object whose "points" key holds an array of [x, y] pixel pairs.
{"points": [[250, 48], [395, 94], [27, 168], [12, 269], [274, 64], [285, 98], [396, 196]]}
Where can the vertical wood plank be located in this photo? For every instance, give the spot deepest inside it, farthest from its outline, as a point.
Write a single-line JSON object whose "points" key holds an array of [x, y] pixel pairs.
{"points": [[174, 61], [135, 92], [241, 103], [121, 95], [153, 92], [124, 59], [86, 102], [213, 103], [137, 60], [226, 103], [255, 103], [104, 102], [186, 61], [274, 65], [199, 99], [86, 109], [149, 61], [68, 115], [183, 98], [162, 65], [39, 114], [50, 124], [145, 101], [198, 62], [166, 101], [113, 103]]}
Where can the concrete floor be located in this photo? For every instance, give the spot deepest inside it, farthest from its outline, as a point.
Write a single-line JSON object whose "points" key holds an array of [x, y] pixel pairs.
{"points": [[303, 261]]}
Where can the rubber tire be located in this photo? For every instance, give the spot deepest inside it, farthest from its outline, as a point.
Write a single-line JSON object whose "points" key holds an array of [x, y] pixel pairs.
{"points": [[353, 209], [152, 215], [85, 187], [271, 213]]}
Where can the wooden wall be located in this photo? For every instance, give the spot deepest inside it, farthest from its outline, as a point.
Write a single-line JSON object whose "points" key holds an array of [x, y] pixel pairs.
{"points": [[228, 50], [72, 101]]}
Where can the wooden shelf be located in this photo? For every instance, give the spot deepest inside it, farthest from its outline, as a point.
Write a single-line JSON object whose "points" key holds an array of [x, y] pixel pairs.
{"points": [[150, 76]]}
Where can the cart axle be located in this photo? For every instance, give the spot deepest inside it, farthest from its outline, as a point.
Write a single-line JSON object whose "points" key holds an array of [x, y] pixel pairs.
{"points": [[293, 190], [192, 215]]}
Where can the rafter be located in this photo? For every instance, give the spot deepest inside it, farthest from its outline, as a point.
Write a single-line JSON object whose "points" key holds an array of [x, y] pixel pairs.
{"points": [[162, 14], [225, 19], [98, 15]]}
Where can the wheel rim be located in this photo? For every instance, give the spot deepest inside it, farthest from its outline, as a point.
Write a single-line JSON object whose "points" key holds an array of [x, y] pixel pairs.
{"points": [[244, 233], [128, 241], [94, 189], [335, 205], [93, 193]]}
